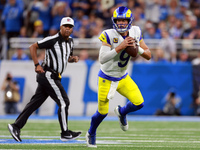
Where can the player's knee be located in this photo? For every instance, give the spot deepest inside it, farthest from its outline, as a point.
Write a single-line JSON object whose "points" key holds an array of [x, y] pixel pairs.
{"points": [[103, 110], [103, 107], [140, 106]]}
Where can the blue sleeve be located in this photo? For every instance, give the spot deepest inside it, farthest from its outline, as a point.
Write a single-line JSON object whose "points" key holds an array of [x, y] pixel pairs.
{"points": [[21, 10], [5, 12]]}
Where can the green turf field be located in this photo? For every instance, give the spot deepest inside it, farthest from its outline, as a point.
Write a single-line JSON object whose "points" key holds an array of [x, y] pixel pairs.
{"points": [[142, 135]]}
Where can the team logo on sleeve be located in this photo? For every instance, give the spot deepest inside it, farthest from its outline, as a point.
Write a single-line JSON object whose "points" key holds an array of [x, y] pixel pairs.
{"points": [[115, 40]]}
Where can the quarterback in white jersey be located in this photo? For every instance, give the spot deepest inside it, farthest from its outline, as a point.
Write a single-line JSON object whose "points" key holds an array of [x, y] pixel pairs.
{"points": [[113, 75], [117, 66]]}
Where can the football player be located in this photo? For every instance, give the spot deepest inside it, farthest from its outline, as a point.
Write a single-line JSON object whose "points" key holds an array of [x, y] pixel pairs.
{"points": [[113, 74]]}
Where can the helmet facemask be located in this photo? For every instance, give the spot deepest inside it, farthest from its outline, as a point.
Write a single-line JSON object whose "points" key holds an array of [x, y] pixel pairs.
{"points": [[122, 30]]}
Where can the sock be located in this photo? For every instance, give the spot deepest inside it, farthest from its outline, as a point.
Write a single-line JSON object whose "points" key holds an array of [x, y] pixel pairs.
{"points": [[130, 107], [97, 118]]}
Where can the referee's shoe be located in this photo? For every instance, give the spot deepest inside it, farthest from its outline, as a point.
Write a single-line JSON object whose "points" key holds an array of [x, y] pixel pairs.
{"points": [[15, 132], [69, 135]]}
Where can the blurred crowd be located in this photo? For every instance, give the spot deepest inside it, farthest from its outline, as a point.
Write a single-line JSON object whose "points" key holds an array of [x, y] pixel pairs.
{"points": [[158, 19], [39, 18]]}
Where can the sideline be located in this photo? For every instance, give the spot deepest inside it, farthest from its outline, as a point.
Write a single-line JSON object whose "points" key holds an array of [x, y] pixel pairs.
{"points": [[114, 118]]}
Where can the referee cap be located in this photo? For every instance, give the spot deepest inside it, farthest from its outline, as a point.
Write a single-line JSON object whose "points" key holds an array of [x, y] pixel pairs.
{"points": [[67, 20]]}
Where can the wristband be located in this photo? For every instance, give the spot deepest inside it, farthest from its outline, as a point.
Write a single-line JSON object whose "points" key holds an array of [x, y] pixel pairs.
{"points": [[140, 51], [37, 64]]}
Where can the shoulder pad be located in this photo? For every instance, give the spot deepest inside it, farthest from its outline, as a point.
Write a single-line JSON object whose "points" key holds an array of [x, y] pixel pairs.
{"points": [[102, 37]]}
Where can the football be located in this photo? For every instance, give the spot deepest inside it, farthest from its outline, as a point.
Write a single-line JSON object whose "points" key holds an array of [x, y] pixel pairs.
{"points": [[132, 50]]}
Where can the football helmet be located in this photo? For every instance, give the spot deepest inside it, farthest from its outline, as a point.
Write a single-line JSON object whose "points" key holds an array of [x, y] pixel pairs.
{"points": [[122, 13]]}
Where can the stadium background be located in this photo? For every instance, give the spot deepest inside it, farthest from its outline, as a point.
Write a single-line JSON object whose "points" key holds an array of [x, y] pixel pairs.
{"points": [[80, 80]]}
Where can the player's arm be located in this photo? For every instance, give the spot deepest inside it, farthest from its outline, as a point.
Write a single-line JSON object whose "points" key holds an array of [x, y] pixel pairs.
{"points": [[33, 51], [144, 50], [106, 53]]}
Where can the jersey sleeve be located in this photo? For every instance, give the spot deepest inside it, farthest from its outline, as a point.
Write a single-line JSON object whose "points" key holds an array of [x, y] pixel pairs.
{"points": [[140, 33], [45, 43], [104, 37]]}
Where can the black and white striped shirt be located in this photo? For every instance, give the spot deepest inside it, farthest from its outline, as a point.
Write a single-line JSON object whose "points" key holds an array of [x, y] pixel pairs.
{"points": [[57, 51]]}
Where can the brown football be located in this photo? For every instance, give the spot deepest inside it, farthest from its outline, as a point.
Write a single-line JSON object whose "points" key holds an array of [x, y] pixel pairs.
{"points": [[131, 50]]}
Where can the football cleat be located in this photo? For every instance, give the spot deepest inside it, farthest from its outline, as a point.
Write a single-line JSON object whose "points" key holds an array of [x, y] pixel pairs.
{"points": [[15, 132], [122, 119], [69, 135], [90, 140]]}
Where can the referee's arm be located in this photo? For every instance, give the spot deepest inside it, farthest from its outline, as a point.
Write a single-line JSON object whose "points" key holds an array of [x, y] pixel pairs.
{"points": [[33, 51]]}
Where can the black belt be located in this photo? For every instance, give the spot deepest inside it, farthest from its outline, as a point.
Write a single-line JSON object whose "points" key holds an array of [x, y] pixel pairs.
{"points": [[56, 74]]}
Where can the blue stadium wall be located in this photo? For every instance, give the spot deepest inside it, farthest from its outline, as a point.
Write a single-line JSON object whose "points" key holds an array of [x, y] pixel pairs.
{"points": [[154, 81]]}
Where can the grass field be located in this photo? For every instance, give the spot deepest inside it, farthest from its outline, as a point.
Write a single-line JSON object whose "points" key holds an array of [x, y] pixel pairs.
{"points": [[142, 135]]}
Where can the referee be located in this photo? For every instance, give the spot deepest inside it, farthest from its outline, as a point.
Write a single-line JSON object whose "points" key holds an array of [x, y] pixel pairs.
{"points": [[59, 51]]}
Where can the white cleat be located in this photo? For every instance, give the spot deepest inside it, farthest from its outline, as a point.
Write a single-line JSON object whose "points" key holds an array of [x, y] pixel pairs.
{"points": [[122, 119], [90, 140]]}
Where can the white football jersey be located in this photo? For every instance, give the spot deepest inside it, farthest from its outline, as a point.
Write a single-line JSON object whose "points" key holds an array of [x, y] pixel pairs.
{"points": [[117, 67]]}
